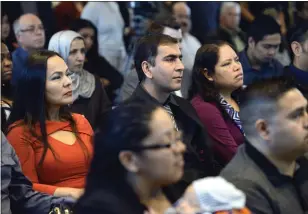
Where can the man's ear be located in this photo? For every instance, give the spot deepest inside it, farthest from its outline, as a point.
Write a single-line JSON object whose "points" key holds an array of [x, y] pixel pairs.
{"points": [[251, 42], [146, 68], [129, 161], [205, 72], [262, 127], [296, 48]]}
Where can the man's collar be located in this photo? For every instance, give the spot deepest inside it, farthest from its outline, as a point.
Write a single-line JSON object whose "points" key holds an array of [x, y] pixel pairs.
{"points": [[266, 166], [141, 91]]}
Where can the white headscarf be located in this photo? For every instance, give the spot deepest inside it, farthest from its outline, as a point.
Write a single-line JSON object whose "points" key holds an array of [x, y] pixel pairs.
{"points": [[83, 82]]}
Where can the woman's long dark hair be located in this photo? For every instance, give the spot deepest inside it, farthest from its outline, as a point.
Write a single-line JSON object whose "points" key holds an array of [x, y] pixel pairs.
{"points": [[128, 126], [29, 103], [79, 24], [207, 57]]}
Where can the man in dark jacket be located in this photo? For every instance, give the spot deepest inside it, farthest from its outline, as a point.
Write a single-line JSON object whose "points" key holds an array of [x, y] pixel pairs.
{"points": [[258, 58], [17, 195], [298, 70], [30, 35], [229, 31], [160, 70], [271, 167]]}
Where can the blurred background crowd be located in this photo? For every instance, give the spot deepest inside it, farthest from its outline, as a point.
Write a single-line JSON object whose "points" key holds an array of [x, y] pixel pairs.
{"points": [[91, 90]]}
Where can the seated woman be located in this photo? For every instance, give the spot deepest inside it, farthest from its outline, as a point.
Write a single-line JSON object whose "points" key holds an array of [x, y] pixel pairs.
{"points": [[53, 145], [6, 90], [94, 63], [89, 97], [217, 73], [139, 154]]}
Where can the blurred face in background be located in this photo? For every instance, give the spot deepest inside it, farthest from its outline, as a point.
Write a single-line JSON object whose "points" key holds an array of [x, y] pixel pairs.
{"points": [[76, 56], [31, 34], [88, 35], [231, 17], [181, 13], [266, 49], [6, 64], [5, 27]]}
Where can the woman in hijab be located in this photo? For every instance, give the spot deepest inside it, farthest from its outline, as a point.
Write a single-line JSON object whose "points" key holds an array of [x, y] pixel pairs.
{"points": [[95, 63], [89, 96]]}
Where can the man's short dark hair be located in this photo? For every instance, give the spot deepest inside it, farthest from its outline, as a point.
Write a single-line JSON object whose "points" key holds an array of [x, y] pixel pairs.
{"points": [[262, 26], [259, 100], [299, 33], [147, 48], [158, 26]]}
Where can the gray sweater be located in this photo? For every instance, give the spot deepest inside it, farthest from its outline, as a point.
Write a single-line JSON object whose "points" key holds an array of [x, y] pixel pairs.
{"points": [[267, 190]]}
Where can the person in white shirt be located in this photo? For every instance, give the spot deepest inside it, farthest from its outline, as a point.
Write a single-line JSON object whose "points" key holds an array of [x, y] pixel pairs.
{"points": [[190, 44], [107, 18]]}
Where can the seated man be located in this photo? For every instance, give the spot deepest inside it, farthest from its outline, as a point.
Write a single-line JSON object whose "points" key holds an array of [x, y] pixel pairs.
{"points": [[229, 30], [169, 27], [190, 44], [17, 195], [270, 168], [158, 62], [30, 35], [258, 58], [298, 70]]}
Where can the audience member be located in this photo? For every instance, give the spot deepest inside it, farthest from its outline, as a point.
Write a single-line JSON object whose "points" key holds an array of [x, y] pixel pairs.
{"points": [[30, 35], [111, 77], [258, 58], [42, 9], [217, 74], [168, 27], [160, 70], [7, 35], [6, 91], [213, 195], [17, 195], [53, 145], [138, 155], [298, 70], [190, 44], [107, 18], [89, 96], [229, 30], [282, 54], [270, 168], [67, 12]]}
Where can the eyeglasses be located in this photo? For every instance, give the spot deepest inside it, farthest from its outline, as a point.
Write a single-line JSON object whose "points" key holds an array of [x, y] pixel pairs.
{"points": [[179, 137], [33, 29]]}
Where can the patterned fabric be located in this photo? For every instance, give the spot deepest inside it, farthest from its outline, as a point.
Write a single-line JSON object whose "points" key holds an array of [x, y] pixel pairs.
{"points": [[168, 109], [231, 112]]}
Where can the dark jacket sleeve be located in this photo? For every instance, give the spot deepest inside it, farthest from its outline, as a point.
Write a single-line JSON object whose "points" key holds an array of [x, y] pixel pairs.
{"points": [[104, 103], [17, 194]]}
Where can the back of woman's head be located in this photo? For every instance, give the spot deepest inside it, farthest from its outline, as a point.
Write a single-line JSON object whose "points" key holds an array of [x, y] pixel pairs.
{"points": [[206, 58], [128, 126], [29, 100]]}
